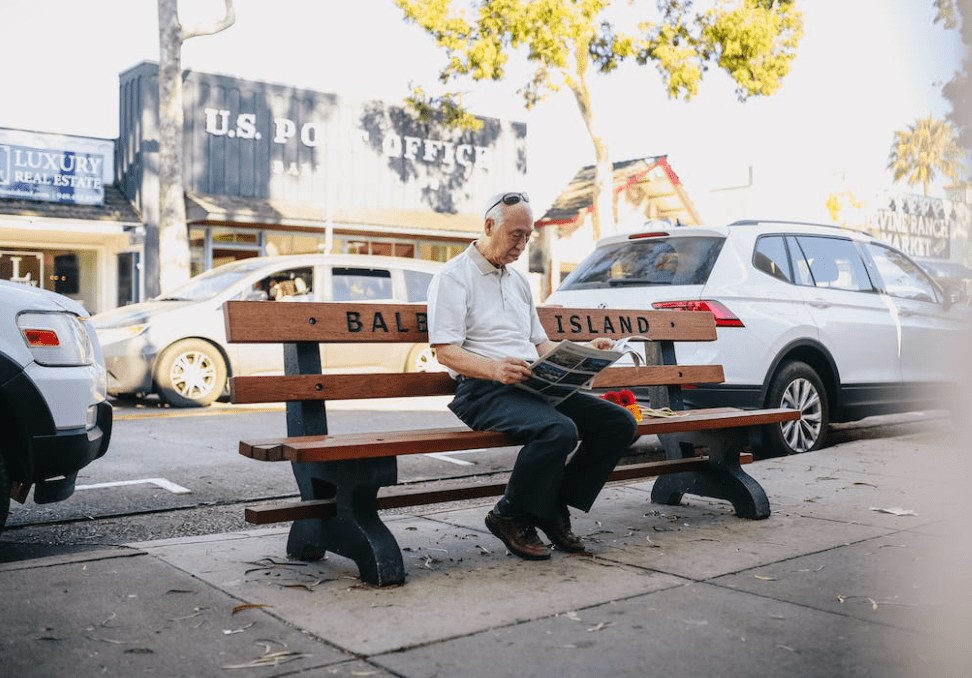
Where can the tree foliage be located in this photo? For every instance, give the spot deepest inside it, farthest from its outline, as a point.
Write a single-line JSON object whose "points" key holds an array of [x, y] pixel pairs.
{"points": [[565, 42], [957, 14], [926, 149]]}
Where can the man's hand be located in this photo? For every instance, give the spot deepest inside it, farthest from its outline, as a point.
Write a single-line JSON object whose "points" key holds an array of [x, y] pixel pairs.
{"points": [[511, 371], [602, 343]]}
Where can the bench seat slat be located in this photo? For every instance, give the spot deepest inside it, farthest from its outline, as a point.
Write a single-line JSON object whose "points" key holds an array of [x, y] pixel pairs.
{"points": [[401, 497], [421, 441], [282, 388]]}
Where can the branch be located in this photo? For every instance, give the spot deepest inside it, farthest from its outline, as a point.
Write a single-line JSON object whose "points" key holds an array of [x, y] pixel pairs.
{"points": [[229, 18]]}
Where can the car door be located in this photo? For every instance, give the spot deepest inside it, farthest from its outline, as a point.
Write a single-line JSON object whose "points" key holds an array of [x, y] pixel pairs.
{"points": [[286, 285], [854, 320], [362, 286], [930, 329]]}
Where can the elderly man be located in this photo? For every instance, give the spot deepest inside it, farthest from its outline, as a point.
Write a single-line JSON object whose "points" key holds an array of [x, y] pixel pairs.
{"points": [[485, 331]]}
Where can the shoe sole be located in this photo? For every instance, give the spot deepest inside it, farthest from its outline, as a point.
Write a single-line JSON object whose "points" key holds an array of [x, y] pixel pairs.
{"points": [[563, 546], [515, 552]]}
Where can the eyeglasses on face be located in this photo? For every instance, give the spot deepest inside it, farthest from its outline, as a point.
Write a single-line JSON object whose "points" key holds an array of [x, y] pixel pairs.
{"points": [[509, 199]]}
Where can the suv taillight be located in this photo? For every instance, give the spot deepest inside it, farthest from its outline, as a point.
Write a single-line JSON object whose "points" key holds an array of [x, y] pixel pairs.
{"points": [[723, 316]]}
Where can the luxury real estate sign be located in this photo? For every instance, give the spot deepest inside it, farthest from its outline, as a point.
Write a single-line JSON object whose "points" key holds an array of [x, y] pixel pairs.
{"points": [[54, 168]]}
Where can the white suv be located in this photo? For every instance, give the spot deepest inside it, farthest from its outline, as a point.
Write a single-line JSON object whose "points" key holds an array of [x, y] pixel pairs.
{"points": [[830, 321], [53, 409]]}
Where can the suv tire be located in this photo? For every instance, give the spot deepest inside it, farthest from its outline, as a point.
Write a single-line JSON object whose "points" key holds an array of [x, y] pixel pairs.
{"points": [[190, 373], [4, 493], [797, 386]]}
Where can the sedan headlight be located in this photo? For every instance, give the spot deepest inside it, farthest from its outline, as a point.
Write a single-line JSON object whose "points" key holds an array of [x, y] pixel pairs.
{"points": [[109, 335], [56, 338]]}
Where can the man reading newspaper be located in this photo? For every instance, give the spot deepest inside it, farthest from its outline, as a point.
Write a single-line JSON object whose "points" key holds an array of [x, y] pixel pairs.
{"points": [[486, 332]]}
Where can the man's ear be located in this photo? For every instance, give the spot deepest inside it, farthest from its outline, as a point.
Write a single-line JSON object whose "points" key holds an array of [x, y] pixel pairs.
{"points": [[488, 226]]}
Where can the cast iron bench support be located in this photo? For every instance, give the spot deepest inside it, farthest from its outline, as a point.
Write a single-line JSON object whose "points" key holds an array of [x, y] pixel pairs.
{"points": [[723, 477], [356, 530]]}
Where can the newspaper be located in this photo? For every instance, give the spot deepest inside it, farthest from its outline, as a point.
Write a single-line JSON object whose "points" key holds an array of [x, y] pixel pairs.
{"points": [[569, 366]]}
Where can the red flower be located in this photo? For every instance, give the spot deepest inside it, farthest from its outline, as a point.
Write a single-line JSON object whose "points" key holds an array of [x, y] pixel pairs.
{"points": [[613, 397], [626, 398]]}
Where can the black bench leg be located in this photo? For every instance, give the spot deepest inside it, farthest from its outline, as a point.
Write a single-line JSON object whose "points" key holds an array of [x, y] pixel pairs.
{"points": [[356, 531], [723, 479]]}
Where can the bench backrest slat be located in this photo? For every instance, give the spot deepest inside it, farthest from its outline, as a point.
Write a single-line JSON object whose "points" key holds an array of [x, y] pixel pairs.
{"points": [[261, 321]]}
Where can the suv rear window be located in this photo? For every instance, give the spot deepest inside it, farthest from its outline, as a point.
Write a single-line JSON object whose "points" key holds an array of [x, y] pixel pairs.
{"points": [[654, 261]]}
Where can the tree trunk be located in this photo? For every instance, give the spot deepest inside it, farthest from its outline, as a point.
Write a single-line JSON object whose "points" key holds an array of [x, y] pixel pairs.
{"points": [[603, 217], [173, 234]]}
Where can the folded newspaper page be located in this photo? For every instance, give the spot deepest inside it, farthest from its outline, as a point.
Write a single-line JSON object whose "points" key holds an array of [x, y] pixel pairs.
{"points": [[569, 366]]}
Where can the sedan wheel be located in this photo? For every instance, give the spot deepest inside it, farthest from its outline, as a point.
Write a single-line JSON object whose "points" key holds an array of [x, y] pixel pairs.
{"points": [[422, 359], [796, 386], [190, 374]]}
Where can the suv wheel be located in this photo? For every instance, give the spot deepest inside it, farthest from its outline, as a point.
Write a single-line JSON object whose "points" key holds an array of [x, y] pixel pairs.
{"points": [[190, 373], [797, 386]]}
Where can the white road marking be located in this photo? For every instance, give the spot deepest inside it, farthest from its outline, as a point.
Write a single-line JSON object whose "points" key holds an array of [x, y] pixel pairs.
{"points": [[445, 456], [160, 482]]}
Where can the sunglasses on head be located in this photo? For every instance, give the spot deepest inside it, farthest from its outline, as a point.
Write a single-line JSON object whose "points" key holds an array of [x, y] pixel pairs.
{"points": [[509, 199]]}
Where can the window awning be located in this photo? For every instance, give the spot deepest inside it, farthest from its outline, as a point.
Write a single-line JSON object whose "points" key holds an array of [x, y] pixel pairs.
{"points": [[277, 214]]}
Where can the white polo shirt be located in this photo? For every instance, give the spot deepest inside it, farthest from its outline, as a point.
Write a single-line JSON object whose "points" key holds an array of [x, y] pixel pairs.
{"points": [[486, 310]]}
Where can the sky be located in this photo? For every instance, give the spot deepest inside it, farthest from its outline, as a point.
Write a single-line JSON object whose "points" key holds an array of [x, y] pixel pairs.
{"points": [[864, 69]]}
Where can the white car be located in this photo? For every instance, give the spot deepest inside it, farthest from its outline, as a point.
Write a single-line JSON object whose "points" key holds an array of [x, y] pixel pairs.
{"points": [[53, 408], [175, 345], [830, 321]]}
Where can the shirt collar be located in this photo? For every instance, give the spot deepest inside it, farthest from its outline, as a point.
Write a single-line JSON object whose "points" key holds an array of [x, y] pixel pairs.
{"points": [[482, 263]]}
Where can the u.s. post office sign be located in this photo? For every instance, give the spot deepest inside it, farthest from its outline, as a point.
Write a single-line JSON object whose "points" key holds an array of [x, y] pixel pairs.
{"points": [[54, 167]]}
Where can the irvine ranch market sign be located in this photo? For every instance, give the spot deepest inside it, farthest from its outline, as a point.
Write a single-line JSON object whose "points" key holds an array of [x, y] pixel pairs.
{"points": [[54, 168], [918, 226]]}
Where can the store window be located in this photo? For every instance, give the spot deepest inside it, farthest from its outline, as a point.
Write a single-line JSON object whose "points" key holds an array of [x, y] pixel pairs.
{"points": [[129, 270], [435, 251], [210, 246], [71, 272], [294, 243]]}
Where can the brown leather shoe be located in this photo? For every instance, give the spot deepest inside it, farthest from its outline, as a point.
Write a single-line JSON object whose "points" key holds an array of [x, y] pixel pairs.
{"points": [[560, 533], [519, 536]]}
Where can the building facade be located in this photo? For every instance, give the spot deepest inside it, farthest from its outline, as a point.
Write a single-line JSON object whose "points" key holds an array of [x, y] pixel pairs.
{"points": [[64, 225], [273, 169]]}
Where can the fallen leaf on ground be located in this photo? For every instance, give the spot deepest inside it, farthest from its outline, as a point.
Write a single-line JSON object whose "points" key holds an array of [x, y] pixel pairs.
{"points": [[248, 606], [269, 659], [894, 511]]}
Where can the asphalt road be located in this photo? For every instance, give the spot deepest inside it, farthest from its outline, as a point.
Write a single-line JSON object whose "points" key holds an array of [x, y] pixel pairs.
{"points": [[171, 472]]}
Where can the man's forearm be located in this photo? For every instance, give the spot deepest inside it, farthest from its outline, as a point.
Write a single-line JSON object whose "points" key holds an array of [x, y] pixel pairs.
{"points": [[506, 371]]}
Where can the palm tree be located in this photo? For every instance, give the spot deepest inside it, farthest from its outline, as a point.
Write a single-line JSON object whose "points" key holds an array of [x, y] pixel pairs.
{"points": [[926, 148]]}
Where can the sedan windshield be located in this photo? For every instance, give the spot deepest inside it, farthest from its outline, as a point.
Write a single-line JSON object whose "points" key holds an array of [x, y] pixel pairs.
{"points": [[207, 285], [649, 261]]}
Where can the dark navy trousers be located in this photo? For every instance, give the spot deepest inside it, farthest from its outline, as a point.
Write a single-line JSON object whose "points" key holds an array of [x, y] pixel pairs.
{"points": [[545, 475]]}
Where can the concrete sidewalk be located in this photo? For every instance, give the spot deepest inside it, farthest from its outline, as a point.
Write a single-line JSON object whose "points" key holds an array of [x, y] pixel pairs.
{"points": [[862, 570]]}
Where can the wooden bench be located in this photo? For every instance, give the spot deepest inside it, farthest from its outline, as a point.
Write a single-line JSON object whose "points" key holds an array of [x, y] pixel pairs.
{"points": [[344, 480]]}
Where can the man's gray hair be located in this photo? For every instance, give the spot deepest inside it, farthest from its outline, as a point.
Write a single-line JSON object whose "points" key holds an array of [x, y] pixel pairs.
{"points": [[494, 207]]}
